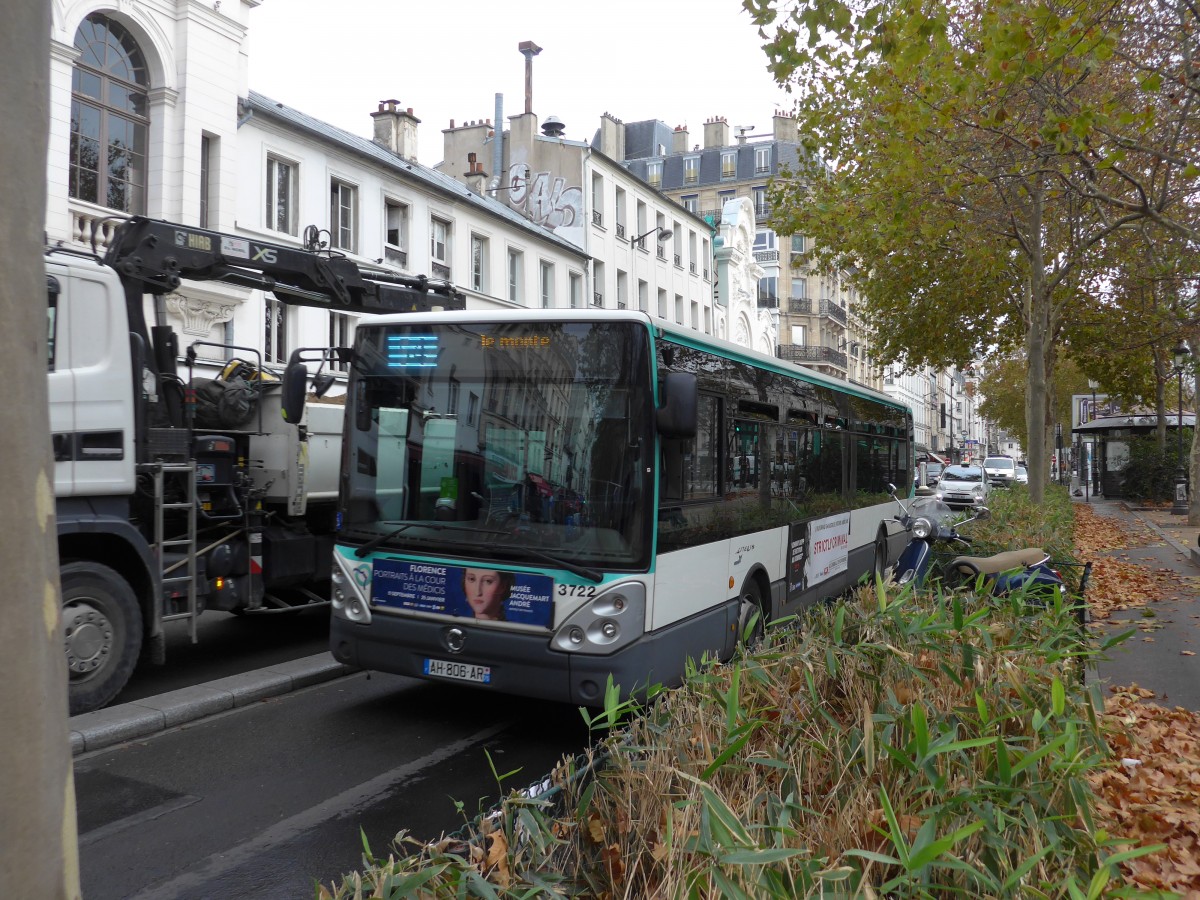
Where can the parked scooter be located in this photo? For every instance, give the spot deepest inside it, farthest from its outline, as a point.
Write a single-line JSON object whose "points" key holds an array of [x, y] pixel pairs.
{"points": [[928, 521]]}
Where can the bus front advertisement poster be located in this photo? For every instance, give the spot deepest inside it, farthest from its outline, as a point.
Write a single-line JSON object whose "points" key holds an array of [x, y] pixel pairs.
{"points": [[494, 594]]}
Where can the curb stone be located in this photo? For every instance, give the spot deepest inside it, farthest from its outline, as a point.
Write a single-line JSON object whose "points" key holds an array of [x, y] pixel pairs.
{"points": [[150, 715]]}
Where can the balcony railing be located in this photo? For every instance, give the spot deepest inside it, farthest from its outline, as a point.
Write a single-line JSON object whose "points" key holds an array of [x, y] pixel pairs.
{"points": [[395, 256], [692, 266], [800, 306], [761, 212], [679, 260], [620, 230], [806, 354], [597, 299], [440, 271], [597, 218], [715, 214], [766, 256], [706, 274], [833, 310], [662, 254], [768, 301], [94, 223]]}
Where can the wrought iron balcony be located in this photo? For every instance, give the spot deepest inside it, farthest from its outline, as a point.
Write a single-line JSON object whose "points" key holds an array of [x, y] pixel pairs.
{"points": [[620, 230], [662, 253], [692, 266], [800, 306], [597, 218], [768, 301], [833, 310], [806, 355], [597, 299], [679, 260]]}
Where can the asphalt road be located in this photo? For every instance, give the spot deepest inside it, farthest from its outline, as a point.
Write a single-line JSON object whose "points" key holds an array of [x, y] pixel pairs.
{"points": [[229, 645], [267, 800]]}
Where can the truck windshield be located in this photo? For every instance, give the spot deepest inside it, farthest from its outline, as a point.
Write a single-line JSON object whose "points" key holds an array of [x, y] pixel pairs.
{"points": [[530, 440]]}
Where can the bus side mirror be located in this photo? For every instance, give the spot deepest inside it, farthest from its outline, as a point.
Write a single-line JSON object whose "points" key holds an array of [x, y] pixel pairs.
{"points": [[677, 417], [295, 384]]}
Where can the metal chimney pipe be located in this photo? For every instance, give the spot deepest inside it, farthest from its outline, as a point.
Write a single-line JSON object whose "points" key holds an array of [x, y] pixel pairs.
{"points": [[498, 143]]}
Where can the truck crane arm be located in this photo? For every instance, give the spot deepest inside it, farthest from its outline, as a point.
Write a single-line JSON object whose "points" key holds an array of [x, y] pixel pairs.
{"points": [[153, 257]]}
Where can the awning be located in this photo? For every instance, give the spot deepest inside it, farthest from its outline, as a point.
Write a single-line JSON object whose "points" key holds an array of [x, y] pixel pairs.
{"points": [[933, 457]]}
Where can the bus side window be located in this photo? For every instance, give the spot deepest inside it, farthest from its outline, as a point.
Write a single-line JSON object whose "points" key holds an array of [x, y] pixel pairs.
{"points": [[674, 456]]}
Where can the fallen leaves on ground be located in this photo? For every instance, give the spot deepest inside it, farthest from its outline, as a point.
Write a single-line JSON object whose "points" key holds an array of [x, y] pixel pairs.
{"points": [[1117, 582], [1151, 793]]}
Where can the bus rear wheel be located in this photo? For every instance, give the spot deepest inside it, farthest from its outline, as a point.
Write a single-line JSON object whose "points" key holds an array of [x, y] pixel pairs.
{"points": [[102, 633]]}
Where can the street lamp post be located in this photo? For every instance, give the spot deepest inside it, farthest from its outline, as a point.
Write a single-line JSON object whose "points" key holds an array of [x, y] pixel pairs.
{"points": [[1094, 474], [1180, 508]]}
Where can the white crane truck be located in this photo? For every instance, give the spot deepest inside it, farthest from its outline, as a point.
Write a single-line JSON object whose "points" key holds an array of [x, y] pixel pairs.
{"points": [[161, 516]]}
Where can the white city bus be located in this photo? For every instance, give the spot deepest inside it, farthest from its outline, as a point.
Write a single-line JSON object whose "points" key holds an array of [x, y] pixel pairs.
{"points": [[532, 501]]}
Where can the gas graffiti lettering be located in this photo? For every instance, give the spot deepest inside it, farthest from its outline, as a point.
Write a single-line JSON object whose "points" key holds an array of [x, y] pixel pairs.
{"points": [[547, 200]]}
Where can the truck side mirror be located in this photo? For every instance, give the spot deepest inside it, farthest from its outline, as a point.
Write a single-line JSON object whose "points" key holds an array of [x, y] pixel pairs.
{"points": [[679, 413], [295, 385]]}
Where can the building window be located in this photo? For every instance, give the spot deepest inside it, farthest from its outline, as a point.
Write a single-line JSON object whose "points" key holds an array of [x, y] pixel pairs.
{"points": [[452, 398], [643, 296], [768, 297], [799, 335], [275, 343], [760, 202], [439, 241], [799, 288], [576, 290], [479, 261], [341, 334], [516, 266], [762, 160], [797, 243], [695, 314], [691, 203], [472, 407], [654, 173], [109, 117], [343, 216], [620, 213], [597, 199], [662, 303], [207, 154], [679, 308], [281, 195], [764, 240], [729, 165], [395, 233], [691, 169], [622, 290], [598, 283], [707, 320], [546, 280]]}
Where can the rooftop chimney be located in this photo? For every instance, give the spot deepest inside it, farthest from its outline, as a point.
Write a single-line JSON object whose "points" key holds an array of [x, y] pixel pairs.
{"points": [[475, 176], [529, 49], [396, 128], [716, 133], [785, 127], [679, 139], [612, 137]]}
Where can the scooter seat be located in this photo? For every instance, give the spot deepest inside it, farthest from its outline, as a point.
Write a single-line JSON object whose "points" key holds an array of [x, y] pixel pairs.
{"points": [[1001, 562]]}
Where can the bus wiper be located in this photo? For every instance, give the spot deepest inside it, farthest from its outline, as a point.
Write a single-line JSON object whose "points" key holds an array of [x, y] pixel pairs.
{"points": [[573, 568], [404, 526]]}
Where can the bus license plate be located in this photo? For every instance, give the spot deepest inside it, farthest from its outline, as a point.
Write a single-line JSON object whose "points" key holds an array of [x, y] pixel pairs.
{"points": [[462, 671]]}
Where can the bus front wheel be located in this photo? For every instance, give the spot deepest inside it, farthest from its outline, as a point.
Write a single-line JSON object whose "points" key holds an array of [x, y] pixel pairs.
{"points": [[751, 615]]}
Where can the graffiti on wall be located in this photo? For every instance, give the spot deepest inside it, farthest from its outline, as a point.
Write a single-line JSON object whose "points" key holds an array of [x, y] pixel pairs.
{"points": [[548, 201]]}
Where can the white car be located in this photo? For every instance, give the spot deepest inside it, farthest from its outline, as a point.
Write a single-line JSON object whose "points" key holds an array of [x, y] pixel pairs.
{"points": [[1001, 470], [1022, 475], [962, 486]]}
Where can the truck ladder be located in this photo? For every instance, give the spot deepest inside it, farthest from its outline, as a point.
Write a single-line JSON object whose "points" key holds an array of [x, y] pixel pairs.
{"points": [[188, 472]]}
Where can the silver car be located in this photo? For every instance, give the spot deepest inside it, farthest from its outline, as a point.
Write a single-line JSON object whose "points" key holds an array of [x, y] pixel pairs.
{"points": [[962, 486]]}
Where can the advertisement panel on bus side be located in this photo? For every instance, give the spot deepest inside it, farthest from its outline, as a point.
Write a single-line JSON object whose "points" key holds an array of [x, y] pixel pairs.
{"points": [[817, 551]]}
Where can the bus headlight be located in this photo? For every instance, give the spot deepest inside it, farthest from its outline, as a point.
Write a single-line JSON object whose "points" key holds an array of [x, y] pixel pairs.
{"points": [[608, 622]]}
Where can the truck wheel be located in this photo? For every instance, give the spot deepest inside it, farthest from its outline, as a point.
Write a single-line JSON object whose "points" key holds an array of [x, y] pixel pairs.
{"points": [[102, 633]]}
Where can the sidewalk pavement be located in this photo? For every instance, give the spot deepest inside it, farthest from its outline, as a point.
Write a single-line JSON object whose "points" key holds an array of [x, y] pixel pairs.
{"points": [[1159, 656]]}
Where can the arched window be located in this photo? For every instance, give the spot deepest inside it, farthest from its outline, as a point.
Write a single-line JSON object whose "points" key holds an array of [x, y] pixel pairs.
{"points": [[109, 117]]}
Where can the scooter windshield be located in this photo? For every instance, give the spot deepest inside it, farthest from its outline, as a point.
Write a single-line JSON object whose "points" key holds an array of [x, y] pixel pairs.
{"points": [[933, 509]]}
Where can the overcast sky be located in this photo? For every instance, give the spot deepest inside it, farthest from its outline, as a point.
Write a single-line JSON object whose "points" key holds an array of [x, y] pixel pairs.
{"points": [[636, 59]]}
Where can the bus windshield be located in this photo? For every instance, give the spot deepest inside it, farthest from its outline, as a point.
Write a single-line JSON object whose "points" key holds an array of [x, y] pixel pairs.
{"points": [[520, 442]]}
